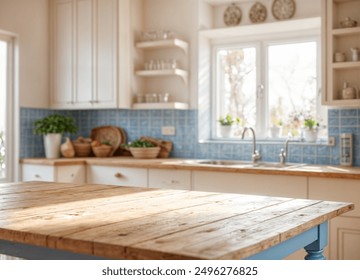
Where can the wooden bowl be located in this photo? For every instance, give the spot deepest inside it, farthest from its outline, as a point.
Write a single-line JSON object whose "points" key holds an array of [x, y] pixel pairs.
{"points": [[152, 152], [82, 149], [102, 151]]}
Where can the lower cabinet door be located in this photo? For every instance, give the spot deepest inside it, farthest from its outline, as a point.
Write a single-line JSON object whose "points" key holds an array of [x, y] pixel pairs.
{"points": [[118, 176], [170, 179], [345, 238]]}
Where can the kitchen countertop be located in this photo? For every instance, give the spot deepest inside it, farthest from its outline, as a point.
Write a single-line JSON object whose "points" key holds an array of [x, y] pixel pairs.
{"points": [[325, 171]]}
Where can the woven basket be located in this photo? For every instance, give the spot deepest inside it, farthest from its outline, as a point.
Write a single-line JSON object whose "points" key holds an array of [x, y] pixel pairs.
{"points": [[82, 149], [145, 152], [102, 151]]}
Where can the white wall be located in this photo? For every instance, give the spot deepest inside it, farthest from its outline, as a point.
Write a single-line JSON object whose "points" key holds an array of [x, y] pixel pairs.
{"points": [[29, 19]]}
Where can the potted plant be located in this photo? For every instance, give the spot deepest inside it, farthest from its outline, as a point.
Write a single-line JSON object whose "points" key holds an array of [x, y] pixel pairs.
{"points": [[226, 125], [52, 127], [311, 127], [143, 149], [276, 129]]}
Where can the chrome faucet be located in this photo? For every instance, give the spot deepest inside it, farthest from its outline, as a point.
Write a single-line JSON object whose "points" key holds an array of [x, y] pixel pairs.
{"points": [[284, 153], [255, 155]]}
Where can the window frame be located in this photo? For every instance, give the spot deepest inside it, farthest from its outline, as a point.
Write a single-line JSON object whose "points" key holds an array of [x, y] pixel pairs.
{"points": [[12, 112], [262, 64]]}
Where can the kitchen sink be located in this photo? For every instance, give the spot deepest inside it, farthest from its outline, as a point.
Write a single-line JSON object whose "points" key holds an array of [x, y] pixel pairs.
{"points": [[220, 162], [243, 164]]}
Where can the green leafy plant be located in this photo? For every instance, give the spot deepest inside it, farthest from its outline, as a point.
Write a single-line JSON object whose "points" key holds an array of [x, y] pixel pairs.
{"points": [[55, 123], [228, 120], [311, 123], [140, 144]]}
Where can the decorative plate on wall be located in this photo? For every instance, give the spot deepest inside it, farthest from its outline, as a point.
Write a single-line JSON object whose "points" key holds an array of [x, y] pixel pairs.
{"points": [[258, 13], [232, 15], [283, 9]]}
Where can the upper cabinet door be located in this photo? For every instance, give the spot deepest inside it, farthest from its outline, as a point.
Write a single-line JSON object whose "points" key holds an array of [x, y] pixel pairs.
{"points": [[84, 54], [62, 56], [106, 52]]}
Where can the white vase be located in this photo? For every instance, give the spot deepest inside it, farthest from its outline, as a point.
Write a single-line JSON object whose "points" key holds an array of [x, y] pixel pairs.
{"points": [[52, 142], [226, 131], [310, 135]]}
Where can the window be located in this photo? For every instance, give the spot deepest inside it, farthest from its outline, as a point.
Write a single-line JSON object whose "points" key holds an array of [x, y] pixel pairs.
{"points": [[268, 84], [6, 106], [3, 86]]}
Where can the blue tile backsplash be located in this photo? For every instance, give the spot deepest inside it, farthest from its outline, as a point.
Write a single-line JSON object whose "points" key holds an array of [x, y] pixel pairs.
{"points": [[149, 122]]}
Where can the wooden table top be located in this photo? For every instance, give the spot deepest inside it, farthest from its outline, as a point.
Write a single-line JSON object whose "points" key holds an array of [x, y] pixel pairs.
{"points": [[141, 223]]}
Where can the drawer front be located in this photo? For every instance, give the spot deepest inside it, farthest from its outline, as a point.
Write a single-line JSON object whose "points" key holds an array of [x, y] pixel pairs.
{"points": [[71, 174], [118, 176], [33, 172], [170, 179]]}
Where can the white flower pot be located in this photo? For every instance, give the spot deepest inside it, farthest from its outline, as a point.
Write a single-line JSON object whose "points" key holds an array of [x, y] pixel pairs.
{"points": [[226, 131], [52, 142], [310, 135], [275, 131]]}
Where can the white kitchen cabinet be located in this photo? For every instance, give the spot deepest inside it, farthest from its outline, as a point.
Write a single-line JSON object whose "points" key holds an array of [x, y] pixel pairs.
{"points": [[170, 179], [118, 176], [84, 54], [64, 174], [257, 184], [344, 238], [340, 39]]}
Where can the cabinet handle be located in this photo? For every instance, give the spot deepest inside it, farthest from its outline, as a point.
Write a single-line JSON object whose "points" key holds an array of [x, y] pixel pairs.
{"points": [[37, 176], [171, 182], [118, 175]]}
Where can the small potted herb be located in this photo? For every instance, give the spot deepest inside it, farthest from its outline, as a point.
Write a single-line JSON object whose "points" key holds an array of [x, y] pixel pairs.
{"points": [[52, 128], [311, 128], [226, 125], [276, 129]]}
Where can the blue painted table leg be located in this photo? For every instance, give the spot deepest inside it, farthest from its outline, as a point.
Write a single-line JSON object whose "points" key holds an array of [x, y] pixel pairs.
{"points": [[315, 250]]}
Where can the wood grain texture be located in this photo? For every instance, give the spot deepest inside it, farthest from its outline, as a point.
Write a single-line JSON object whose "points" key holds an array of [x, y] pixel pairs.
{"points": [[142, 223]]}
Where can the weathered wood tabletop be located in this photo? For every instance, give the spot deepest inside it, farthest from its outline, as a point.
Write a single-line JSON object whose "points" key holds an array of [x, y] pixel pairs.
{"points": [[141, 223]]}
